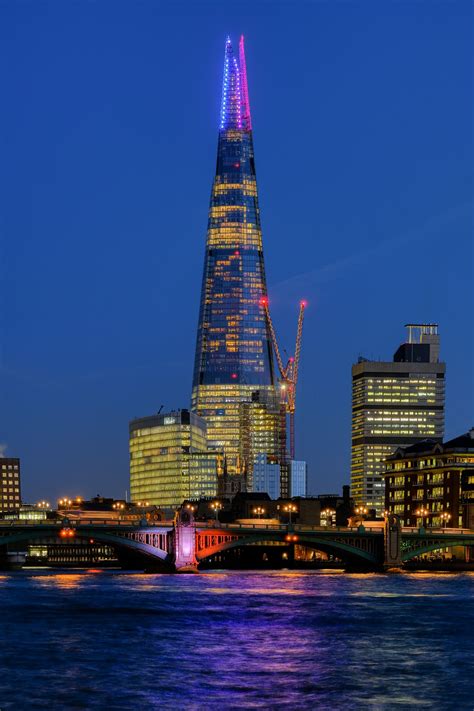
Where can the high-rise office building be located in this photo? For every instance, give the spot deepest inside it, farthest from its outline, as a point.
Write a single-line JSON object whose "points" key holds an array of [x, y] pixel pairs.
{"points": [[10, 495], [263, 431], [394, 404], [298, 475], [170, 461], [233, 349]]}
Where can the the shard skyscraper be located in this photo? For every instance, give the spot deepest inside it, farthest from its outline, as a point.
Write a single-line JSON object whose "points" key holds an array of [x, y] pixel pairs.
{"points": [[233, 350]]}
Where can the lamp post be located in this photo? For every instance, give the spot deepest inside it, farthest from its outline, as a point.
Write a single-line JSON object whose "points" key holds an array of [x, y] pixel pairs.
{"points": [[445, 517], [258, 510], [191, 508], [291, 509], [216, 506], [361, 511], [422, 513]]}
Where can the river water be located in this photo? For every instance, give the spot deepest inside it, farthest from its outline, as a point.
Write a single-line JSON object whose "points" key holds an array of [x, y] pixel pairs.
{"points": [[236, 640]]}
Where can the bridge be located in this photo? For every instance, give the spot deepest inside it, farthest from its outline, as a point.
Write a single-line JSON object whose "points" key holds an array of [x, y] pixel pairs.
{"points": [[185, 544]]}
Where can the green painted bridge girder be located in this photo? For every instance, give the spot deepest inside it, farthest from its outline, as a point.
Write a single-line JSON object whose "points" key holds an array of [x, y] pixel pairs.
{"points": [[327, 544], [91, 532], [431, 544]]}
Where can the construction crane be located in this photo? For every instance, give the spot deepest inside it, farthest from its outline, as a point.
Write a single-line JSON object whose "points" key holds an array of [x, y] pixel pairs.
{"points": [[289, 372]]}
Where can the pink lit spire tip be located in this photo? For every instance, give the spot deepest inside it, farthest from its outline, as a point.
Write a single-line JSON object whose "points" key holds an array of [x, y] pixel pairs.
{"points": [[246, 117]]}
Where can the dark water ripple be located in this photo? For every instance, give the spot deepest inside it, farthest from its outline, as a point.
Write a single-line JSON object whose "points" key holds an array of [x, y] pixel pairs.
{"points": [[282, 640]]}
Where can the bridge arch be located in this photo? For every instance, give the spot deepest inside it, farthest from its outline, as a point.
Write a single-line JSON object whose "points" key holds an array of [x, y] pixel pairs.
{"points": [[118, 541], [344, 551], [430, 546]]}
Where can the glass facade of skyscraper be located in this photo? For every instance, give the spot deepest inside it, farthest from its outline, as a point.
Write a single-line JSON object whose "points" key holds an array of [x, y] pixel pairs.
{"points": [[233, 350]]}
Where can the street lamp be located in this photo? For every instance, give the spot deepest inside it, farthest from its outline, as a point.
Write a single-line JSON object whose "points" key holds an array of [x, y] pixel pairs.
{"points": [[422, 512], [445, 517], [361, 511], [291, 509], [259, 511], [216, 506]]}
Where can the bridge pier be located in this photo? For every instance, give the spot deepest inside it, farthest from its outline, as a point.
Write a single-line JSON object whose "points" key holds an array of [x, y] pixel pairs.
{"points": [[185, 560], [392, 535]]}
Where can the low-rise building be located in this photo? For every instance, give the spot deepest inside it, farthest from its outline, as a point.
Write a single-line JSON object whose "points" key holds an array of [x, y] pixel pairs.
{"points": [[336, 509], [432, 483]]}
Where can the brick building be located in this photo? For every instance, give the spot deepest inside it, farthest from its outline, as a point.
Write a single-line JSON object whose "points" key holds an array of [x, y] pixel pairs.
{"points": [[432, 483]]}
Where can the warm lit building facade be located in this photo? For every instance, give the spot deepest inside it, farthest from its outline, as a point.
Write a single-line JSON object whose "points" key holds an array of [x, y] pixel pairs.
{"points": [[394, 404], [170, 460], [233, 349], [10, 492], [432, 483], [263, 432]]}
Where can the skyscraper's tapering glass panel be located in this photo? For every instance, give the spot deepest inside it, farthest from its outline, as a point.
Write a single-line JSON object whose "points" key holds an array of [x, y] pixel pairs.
{"points": [[233, 351]]}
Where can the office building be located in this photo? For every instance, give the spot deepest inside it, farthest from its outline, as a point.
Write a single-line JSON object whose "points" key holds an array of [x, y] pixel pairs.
{"points": [[266, 477], [10, 493], [233, 348], [170, 460], [432, 483], [263, 432], [394, 404], [298, 473]]}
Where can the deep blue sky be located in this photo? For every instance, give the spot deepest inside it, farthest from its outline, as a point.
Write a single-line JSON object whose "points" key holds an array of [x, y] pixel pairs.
{"points": [[362, 118]]}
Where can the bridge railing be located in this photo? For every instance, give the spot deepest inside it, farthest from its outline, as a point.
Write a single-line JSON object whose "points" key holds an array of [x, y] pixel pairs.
{"points": [[283, 527], [58, 523], [438, 530]]}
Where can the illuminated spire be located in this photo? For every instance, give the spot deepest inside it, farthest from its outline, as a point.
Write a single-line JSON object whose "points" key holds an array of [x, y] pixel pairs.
{"points": [[246, 118], [231, 109]]}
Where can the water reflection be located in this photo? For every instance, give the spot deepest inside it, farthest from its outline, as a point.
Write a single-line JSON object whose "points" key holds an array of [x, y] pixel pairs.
{"points": [[67, 581], [266, 640]]}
